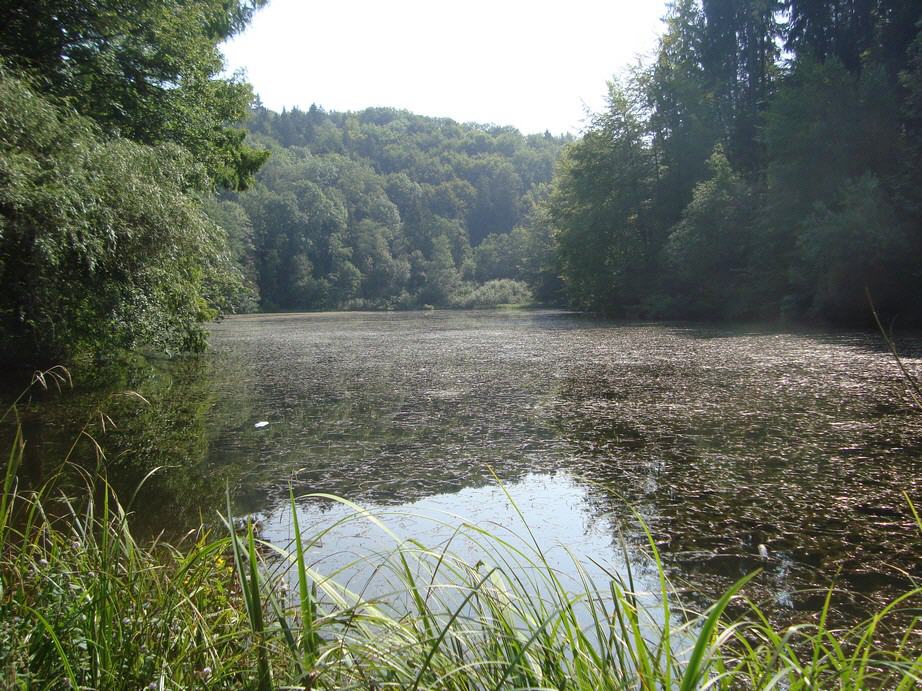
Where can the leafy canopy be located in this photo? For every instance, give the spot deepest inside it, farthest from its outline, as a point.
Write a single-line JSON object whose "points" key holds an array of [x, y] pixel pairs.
{"points": [[146, 71], [730, 180], [102, 242], [116, 123]]}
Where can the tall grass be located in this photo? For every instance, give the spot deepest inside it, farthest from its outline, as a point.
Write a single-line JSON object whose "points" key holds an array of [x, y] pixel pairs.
{"points": [[84, 605]]}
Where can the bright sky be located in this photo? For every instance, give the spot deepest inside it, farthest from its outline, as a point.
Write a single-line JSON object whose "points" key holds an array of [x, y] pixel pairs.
{"points": [[533, 64]]}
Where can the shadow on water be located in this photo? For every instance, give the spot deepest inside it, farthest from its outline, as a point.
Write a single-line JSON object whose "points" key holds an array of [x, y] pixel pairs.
{"points": [[729, 441], [907, 341], [139, 424]]}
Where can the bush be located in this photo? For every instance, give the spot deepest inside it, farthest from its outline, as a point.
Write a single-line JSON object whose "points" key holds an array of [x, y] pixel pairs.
{"points": [[103, 242], [503, 291]]}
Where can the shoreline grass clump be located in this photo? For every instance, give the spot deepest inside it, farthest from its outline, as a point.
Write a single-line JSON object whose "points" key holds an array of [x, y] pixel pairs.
{"points": [[83, 604]]}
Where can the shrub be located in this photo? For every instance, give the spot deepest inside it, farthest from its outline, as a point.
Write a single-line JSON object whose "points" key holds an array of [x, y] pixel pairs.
{"points": [[503, 291], [103, 242]]}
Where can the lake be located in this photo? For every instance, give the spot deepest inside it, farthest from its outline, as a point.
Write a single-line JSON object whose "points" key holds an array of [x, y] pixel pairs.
{"points": [[723, 439]]}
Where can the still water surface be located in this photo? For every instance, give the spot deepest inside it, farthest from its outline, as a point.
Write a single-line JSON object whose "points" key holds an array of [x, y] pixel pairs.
{"points": [[724, 439]]}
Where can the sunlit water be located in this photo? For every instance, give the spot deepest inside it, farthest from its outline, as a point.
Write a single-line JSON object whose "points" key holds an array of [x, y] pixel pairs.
{"points": [[723, 439]]}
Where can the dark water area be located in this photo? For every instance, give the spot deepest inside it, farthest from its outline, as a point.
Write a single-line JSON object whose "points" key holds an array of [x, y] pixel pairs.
{"points": [[724, 439]]}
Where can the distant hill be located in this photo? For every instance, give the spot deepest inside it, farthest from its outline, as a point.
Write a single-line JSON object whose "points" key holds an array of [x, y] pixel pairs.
{"points": [[383, 208]]}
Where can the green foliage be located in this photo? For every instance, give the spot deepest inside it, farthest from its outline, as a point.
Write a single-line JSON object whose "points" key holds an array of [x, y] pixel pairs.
{"points": [[738, 54], [813, 193], [383, 208], [501, 255], [853, 32], [826, 126], [232, 218], [677, 94], [825, 130], [854, 243], [440, 276], [502, 291], [911, 82], [115, 120], [102, 242], [708, 249], [144, 71], [600, 209]]}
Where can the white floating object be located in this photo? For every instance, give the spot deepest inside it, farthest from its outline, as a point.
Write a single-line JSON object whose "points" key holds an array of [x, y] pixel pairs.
{"points": [[261, 424], [763, 551]]}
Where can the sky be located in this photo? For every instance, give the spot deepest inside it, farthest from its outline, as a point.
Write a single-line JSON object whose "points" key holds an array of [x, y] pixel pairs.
{"points": [[534, 65]]}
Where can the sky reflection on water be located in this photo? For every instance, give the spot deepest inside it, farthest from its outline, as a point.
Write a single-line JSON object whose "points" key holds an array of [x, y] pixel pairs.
{"points": [[723, 438]]}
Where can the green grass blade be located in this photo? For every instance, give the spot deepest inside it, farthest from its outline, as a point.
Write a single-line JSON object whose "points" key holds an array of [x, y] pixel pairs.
{"points": [[309, 638], [695, 669], [435, 645], [65, 663], [263, 668]]}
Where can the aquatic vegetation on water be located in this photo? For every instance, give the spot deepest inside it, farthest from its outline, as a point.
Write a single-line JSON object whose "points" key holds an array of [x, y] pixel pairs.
{"points": [[724, 438], [82, 603]]}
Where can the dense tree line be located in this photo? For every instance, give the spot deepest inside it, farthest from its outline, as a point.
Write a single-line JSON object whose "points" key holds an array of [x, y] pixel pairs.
{"points": [[114, 125], [383, 208], [765, 164]]}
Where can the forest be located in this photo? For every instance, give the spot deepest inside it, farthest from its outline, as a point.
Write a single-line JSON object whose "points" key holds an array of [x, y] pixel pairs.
{"points": [[762, 165], [386, 209], [384, 468]]}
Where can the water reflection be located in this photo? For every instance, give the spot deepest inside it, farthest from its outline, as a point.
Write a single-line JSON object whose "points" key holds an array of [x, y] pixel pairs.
{"points": [[143, 423], [724, 439], [355, 548]]}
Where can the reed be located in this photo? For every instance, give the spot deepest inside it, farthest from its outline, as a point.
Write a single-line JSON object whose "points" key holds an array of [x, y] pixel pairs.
{"points": [[84, 605]]}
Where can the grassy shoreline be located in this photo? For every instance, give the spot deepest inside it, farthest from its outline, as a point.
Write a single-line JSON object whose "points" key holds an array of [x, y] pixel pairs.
{"points": [[84, 604]]}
